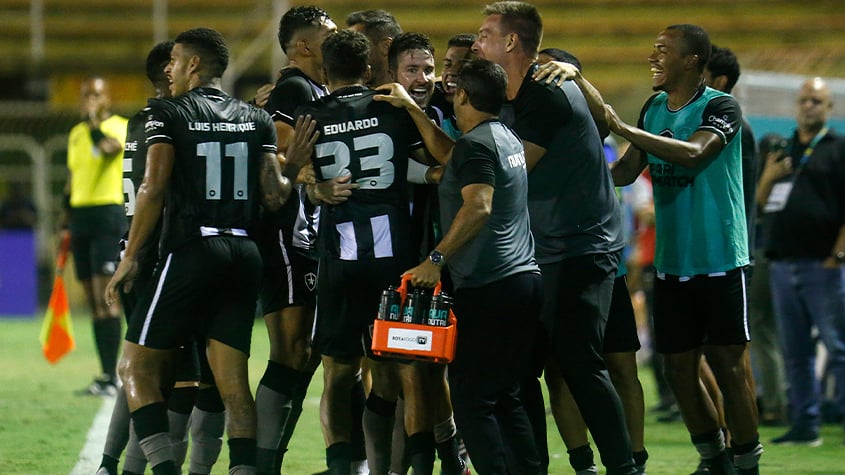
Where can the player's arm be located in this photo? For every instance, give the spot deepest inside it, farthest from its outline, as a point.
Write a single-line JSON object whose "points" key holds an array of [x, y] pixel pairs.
{"points": [[692, 153], [437, 142], [721, 120], [275, 187], [556, 72], [149, 204], [277, 184], [468, 222], [627, 168]]}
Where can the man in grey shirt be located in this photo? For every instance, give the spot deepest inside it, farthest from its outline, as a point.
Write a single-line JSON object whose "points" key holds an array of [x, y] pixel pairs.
{"points": [[489, 250]]}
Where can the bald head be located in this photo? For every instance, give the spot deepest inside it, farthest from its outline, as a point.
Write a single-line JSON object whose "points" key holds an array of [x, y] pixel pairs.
{"points": [[95, 97], [814, 105]]}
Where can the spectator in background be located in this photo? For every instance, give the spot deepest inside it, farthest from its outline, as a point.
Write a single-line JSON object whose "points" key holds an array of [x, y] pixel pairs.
{"points": [[17, 211], [804, 220], [97, 218]]}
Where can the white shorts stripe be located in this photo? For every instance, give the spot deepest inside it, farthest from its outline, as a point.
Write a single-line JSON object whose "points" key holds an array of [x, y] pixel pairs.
{"points": [[348, 242], [288, 268], [382, 242], [153, 304], [745, 306]]}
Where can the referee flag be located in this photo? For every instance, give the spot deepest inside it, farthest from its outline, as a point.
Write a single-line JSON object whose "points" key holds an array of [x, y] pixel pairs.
{"points": [[57, 331]]}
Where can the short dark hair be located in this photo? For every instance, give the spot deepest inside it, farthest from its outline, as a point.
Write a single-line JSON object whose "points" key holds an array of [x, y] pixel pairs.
{"points": [[378, 24], [407, 42], [723, 62], [695, 41], [346, 55], [563, 56], [485, 84], [157, 59], [210, 46], [521, 18], [462, 40], [299, 18]]}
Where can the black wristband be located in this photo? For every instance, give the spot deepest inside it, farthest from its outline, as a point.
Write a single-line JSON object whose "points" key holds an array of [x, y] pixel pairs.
{"points": [[97, 135]]}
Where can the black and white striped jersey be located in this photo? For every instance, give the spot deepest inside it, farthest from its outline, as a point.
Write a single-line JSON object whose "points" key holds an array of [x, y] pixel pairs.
{"points": [[371, 141]]}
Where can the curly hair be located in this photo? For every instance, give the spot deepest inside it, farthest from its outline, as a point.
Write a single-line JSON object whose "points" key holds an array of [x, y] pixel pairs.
{"points": [[210, 46]]}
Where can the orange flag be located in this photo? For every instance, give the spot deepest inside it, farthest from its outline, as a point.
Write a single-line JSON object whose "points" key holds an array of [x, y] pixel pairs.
{"points": [[57, 331]]}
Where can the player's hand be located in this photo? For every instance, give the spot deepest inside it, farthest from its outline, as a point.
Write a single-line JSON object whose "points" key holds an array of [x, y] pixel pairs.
{"points": [[306, 175], [262, 95], [333, 192], [125, 276], [424, 275], [395, 95], [302, 142], [555, 72], [614, 123]]}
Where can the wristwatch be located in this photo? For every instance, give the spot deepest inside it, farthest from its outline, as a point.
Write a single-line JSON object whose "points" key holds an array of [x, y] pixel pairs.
{"points": [[839, 256], [436, 258]]}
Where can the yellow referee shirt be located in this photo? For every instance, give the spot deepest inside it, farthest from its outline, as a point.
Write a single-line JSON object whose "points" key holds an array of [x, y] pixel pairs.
{"points": [[95, 179]]}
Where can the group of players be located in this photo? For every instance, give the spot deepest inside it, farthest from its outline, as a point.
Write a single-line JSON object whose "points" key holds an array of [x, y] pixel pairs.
{"points": [[328, 197]]}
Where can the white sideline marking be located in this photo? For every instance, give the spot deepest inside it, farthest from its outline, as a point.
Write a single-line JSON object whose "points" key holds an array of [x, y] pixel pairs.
{"points": [[92, 452]]}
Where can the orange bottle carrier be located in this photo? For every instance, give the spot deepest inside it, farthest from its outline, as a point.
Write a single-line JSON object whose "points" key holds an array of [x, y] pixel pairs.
{"points": [[415, 341]]}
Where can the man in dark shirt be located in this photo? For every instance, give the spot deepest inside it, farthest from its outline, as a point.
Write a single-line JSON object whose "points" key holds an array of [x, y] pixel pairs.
{"points": [[489, 250], [801, 192], [575, 219], [214, 158]]}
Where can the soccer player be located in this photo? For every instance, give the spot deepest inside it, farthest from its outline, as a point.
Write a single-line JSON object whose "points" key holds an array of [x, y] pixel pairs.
{"points": [[94, 208], [364, 242], [458, 50], [118, 434], [287, 242], [411, 63], [380, 27], [688, 137], [214, 158]]}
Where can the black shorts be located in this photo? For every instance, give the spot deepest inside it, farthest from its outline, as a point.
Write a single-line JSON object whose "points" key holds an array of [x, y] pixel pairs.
{"points": [[620, 334], [206, 289], [95, 239], [289, 278], [704, 309], [347, 303]]}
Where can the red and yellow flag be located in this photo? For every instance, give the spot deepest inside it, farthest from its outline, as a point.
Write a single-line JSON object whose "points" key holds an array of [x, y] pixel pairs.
{"points": [[57, 331]]}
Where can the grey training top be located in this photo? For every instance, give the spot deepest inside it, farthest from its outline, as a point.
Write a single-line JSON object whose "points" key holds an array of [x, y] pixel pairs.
{"points": [[490, 154]]}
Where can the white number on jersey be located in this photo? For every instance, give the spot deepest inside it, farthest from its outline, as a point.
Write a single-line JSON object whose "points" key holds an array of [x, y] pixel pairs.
{"points": [[212, 151], [128, 188], [380, 160]]}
